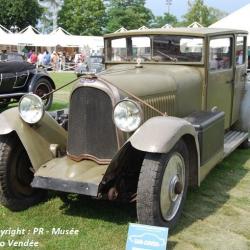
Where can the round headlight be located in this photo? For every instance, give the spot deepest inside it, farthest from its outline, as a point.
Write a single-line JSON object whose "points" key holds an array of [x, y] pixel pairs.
{"points": [[128, 115], [31, 108]]}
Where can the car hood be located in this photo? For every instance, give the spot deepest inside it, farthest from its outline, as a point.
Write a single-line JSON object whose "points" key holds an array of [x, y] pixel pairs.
{"points": [[152, 79]]}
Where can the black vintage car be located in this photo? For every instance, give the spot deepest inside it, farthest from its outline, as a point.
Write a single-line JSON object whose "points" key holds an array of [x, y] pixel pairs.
{"points": [[18, 78], [11, 56]]}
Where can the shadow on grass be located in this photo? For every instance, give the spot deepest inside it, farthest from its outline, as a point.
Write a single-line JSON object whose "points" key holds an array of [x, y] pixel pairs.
{"points": [[201, 202], [114, 212], [214, 191]]}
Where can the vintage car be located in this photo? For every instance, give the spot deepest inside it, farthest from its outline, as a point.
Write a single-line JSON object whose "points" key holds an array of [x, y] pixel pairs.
{"points": [[171, 104], [11, 56], [18, 78], [93, 64]]}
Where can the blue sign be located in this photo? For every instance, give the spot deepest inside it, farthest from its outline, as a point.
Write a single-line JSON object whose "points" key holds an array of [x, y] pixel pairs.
{"points": [[143, 237]]}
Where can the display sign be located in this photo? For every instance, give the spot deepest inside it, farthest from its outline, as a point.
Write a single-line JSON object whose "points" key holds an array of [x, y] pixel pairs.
{"points": [[144, 237]]}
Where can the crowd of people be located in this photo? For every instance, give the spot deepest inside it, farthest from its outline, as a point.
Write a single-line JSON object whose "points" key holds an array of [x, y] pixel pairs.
{"points": [[57, 61]]}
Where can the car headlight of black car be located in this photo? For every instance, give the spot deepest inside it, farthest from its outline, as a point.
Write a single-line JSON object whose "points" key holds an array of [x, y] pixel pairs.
{"points": [[128, 115], [31, 108]]}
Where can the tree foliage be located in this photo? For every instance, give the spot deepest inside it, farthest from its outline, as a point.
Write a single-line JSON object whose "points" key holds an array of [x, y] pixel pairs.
{"points": [[49, 17], [160, 21], [82, 17], [130, 14], [201, 13], [20, 13], [215, 15]]}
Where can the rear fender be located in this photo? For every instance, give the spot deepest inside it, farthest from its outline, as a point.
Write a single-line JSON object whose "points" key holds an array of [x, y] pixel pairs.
{"points": [[36, 139]]}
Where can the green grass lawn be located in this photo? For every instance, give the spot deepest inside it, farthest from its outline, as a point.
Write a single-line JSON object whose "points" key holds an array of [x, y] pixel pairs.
{"points": [[216, 216], [61, 97]]}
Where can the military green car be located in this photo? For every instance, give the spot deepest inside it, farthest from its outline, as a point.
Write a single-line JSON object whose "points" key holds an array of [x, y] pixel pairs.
{"points": [[171, 104]]}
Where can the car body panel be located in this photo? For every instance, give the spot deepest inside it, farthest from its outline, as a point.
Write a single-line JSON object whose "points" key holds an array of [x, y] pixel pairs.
{"points": [[185, 82]]}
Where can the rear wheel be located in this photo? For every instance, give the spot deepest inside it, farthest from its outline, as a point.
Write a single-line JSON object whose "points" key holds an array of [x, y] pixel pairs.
{"points": [[162, 186], [16, 176], [42, 88]]}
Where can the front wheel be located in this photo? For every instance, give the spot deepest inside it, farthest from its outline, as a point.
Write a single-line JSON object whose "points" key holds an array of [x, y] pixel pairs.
{"points": [[16, 176], [162, 186]]}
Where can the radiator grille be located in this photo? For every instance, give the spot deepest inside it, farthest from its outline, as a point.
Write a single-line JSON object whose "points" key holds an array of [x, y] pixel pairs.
{"points": [[164, 103], [91, 128]]}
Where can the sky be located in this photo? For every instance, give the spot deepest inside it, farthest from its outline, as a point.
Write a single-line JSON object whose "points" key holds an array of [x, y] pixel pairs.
{"points": [[179, 7]]}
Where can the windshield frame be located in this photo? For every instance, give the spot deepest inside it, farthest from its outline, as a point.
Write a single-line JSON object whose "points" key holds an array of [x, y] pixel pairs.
{"points": [[107, 44]]}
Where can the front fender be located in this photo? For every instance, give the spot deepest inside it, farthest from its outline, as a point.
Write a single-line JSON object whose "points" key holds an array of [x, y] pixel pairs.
{"points": [[159, 134], [35, 139], [36, 77]]}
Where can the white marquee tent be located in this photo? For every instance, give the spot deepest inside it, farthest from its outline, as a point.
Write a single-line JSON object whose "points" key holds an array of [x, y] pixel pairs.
{"points": [[236, 20], [59, 37]]}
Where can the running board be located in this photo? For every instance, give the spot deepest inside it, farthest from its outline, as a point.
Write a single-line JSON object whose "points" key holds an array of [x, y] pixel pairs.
{"points": [[232, 140]]}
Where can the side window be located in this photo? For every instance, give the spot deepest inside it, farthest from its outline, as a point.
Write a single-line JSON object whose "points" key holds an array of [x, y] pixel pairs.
{"points": [[220, 54], [240, 50], [119, 51]]}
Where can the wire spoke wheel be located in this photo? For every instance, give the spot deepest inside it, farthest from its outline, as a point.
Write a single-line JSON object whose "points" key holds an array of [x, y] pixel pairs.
{"points": [[42, 88]]}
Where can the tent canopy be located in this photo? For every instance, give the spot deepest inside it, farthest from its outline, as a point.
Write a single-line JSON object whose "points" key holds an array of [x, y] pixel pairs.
{"points": [[31, 37], [237, 20]]}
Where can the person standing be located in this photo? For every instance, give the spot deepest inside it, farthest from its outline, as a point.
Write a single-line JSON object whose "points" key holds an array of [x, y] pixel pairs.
{"points": [[40, 59], [46, 58], [54, 61], [33, 57]]}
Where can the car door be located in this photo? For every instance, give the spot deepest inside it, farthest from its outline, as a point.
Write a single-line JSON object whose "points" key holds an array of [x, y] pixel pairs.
{"points": [[240, 74], [220, 75]]}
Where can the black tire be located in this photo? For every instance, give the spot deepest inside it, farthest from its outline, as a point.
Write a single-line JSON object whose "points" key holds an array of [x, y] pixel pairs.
{"points": [[16, 176], [4, 103], [149, 189], [245, 144], [43, 87]]}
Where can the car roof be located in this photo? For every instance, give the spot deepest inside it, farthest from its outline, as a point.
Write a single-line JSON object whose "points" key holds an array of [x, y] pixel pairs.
{"points": [[201, 32]]}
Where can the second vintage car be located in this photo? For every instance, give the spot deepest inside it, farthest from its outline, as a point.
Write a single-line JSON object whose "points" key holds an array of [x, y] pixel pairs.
{"points": [[171, 104], [18, 78]]}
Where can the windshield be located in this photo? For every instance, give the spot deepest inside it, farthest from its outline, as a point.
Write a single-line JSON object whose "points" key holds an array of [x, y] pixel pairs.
{"points": [[158, 48]]}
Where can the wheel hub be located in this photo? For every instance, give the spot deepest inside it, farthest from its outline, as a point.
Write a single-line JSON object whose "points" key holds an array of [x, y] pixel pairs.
{"points": [[175, 188], [172, 187]]}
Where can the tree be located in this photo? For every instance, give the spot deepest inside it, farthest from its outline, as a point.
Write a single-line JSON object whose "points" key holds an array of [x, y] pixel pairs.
{"points": [[51, 8], [82, 17], [215, 15], [20, 13], [201, 13], [167, 18], [198, 12], [130, 14]]}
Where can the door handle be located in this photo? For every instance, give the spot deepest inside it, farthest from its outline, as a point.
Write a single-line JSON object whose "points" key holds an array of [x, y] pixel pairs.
{"points": [[230, 81]]}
